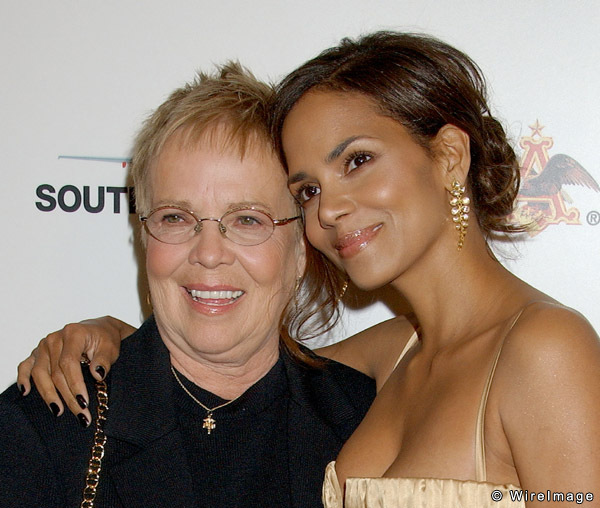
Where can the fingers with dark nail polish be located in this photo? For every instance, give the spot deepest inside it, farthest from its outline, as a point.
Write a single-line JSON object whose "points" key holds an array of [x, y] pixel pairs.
{"points": [[81, 401], [54, 408], [83, 421], [100, 370]]}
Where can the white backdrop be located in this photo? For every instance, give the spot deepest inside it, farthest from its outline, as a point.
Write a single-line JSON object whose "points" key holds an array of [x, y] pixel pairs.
{"points": [[78, 77]]}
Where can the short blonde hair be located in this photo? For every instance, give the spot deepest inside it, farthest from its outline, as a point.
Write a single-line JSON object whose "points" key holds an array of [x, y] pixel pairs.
{"points": [[234, 107], [230, 99]]}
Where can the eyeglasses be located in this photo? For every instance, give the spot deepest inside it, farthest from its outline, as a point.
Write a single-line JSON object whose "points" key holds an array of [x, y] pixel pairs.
{"points": [[246, 226]]}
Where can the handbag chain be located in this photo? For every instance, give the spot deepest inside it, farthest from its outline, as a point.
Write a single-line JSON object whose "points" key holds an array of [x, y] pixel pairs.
{"points": [[92, 476]]}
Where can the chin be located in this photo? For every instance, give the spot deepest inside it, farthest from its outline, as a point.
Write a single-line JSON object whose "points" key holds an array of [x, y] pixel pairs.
{"points": [[366, 281]]}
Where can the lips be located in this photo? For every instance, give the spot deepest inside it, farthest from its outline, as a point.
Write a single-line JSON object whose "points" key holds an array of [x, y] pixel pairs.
{"points": [[352, 243], [215, 299], [217, 296]]}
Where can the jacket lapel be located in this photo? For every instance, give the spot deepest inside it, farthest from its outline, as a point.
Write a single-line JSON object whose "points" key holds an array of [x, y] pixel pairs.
{"points": [[155, 472], [323, 413]]}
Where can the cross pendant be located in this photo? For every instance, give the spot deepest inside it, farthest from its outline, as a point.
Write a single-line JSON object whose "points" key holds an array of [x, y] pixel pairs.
{"points": [[209, 423]]}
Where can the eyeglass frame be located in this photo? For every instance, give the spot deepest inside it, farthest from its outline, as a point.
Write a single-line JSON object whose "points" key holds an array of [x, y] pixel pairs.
{"points": [[222, 229]]}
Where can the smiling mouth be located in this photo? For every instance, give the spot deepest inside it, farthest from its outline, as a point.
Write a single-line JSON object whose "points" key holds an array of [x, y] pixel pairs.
{"points": [[352, 243], [214, 298]]}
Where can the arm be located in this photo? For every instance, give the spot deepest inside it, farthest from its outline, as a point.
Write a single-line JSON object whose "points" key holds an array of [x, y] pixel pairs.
{"points": [[373, 351], [27, 474], [55, 363], [549, 403]]}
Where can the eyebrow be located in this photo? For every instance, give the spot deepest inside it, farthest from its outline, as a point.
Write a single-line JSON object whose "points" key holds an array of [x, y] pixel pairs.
{"points": [[331, 156], [249, 204], [230, 206], [339, 149], [298, 177], [174, 202]]}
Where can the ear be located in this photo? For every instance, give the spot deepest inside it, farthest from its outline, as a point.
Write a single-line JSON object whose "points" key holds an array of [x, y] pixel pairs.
{"points": [[452, 149]]}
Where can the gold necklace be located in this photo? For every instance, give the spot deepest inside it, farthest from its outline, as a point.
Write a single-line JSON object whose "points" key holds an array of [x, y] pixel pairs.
{"points": [[209, 422]]}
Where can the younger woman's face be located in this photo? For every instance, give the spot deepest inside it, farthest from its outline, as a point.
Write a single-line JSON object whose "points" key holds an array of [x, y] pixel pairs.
{"points": [[374, 199]]}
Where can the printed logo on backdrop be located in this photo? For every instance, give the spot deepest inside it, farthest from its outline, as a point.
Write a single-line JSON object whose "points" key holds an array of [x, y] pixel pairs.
{"points": [[543, 200], [91, 199]]}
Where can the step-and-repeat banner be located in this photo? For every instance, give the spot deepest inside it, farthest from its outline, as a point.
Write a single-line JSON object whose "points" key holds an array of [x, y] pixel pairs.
{"points": [[78, 78]]}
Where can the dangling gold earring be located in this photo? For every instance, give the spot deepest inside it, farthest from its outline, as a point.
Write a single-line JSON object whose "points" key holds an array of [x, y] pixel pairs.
{"points": [[149, 299], [460, 211], [342, 292]]}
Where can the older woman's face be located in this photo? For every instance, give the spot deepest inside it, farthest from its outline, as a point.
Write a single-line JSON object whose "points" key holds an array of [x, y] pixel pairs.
{"points": [[214, 299]]}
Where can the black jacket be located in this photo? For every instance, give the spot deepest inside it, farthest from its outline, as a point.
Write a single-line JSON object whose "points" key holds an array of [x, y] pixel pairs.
{"points": [[43, 459]]}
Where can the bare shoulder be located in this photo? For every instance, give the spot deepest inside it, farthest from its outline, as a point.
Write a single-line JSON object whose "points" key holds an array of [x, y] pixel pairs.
{"points": [[373, 351], [548, 391], [548, 332], [550, 342]]}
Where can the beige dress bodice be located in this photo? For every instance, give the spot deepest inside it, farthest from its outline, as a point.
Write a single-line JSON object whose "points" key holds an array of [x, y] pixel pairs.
{"points": [[426, 492]]}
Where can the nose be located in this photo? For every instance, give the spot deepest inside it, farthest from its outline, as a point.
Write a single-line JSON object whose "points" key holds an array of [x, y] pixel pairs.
{"points": [[209, 247], [333, 205]]}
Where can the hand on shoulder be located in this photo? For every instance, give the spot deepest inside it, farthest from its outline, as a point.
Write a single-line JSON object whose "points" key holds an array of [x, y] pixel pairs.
{"points": [[55, 366]]}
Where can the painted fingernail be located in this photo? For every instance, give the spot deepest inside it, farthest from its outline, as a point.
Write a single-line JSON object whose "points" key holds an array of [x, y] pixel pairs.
{"points": [[100, 370], [54, 408], [22, 389], [83, 421], [81, 401]]}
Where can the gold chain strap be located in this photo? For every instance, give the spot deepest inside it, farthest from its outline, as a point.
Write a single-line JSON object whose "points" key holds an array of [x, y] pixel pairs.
{"points": [[95, 464]]}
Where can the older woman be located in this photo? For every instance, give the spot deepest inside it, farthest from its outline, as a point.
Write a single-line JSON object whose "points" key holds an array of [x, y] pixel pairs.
{"points": [[211, 402], [403, 174]]}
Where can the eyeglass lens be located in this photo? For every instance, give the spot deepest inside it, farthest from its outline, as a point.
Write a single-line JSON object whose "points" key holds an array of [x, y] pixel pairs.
{"points": [[244, 227]]}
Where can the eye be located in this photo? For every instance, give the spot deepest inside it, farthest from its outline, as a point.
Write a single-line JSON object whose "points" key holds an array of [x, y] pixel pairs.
{"points": [[355, 160], [172, 218], [246, 219], [306, 193]]}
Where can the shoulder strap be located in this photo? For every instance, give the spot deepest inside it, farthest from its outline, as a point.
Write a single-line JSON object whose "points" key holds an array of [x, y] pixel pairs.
{"points": [[480, 467], [409, 344]]}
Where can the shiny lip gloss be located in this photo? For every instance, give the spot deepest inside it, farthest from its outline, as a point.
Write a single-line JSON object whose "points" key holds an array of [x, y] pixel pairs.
{"points": [[352, 243]]}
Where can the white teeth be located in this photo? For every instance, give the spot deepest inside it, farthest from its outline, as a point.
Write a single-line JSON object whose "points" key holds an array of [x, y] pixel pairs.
{"points": [[215, 295]]}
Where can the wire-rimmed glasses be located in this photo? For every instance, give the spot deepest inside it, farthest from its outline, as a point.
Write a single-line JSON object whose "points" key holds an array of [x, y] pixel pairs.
{"points": [[244, 226]]}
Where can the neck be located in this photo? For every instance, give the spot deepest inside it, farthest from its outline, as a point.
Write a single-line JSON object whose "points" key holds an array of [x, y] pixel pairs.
{"points": [[457, 294], [226, 379]]}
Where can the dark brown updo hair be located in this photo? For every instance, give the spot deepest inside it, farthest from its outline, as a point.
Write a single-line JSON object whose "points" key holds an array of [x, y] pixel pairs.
{"points": [[424, 84]]}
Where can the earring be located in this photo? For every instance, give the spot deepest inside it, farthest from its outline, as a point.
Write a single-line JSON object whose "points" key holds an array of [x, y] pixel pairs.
{"points": [[149, 299], [295, 301], [342, 292], [460, 211]]}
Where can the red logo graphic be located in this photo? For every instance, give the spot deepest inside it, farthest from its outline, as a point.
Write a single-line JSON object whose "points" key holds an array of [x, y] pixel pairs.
{"points": [[542, 201]]}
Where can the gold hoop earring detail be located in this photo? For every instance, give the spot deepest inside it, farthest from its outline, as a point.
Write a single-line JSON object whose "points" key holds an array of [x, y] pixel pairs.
{"points": [[149, 299], [460, 211]]}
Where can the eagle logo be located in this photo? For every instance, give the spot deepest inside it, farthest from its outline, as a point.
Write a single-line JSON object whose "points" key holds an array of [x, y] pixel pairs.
{"points": [[543, 199]]}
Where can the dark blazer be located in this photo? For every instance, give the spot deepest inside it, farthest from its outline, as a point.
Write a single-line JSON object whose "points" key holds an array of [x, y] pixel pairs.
{"points": [[43, 459]]}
